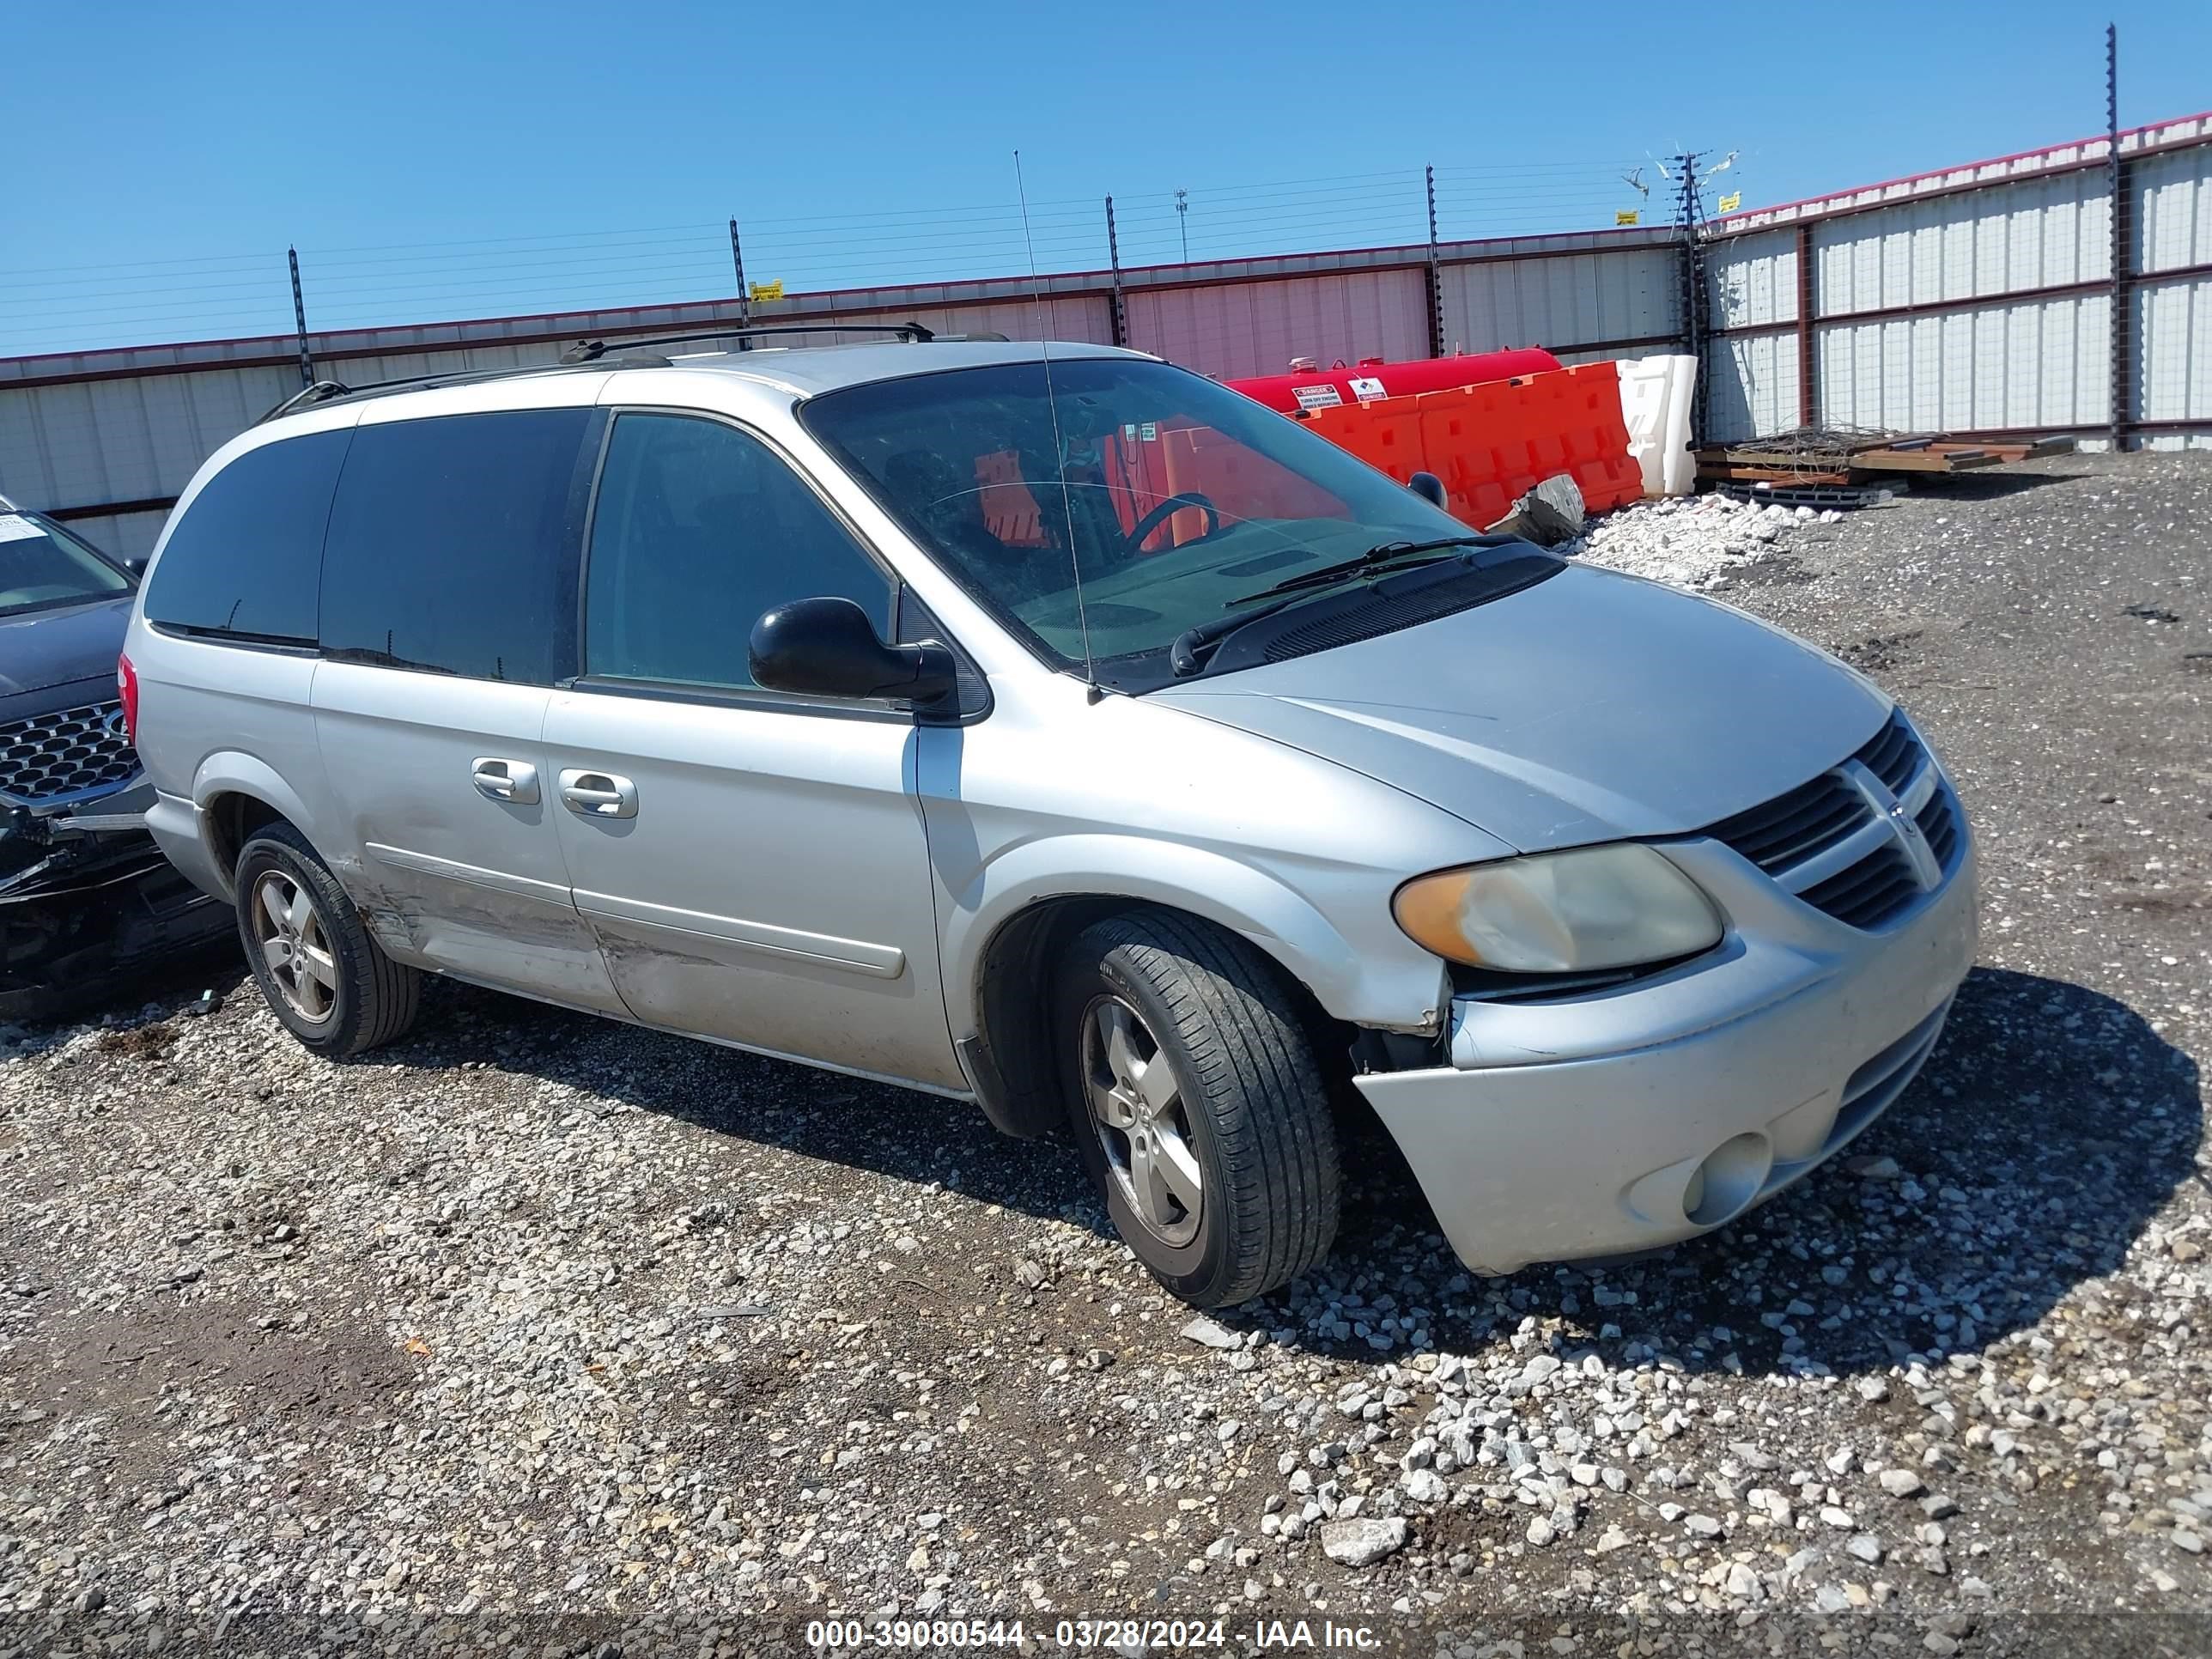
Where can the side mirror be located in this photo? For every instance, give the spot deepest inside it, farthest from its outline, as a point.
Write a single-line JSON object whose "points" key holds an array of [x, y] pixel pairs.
{"points": [[136, 566], [827, 647], [1429, 487]]}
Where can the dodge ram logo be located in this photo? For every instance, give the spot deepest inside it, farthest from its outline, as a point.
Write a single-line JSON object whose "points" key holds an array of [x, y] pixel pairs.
{"points": [[1901, 816]]}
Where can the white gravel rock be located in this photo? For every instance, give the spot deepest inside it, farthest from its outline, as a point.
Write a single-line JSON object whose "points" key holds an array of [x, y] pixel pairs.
{"points": [[1363, 1541], [1693, 542]]}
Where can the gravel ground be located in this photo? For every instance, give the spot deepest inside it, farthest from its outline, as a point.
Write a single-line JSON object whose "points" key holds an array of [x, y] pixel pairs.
{"points": [[538, 1332]]}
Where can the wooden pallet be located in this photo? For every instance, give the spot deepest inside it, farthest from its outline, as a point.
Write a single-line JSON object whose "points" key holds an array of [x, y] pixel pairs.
{"points": [[1851, 462]]}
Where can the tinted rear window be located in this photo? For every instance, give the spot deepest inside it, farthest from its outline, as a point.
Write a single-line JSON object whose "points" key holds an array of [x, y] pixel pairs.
{"points": [[246, 556], [452, 545]]}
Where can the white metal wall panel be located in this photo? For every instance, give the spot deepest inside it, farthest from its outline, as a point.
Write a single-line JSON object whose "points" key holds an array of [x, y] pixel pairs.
{"points": [[2040, 232], [2173, 350], [1750, 280], [127, 536], [1753, 387], [1632, 293], [90, 441], [1257, 328], [1997, 367], [2173, 209], [363, 371]]}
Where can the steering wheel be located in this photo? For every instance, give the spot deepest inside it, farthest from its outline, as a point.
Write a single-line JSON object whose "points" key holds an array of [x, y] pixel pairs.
{"points": [[1133, 544]]}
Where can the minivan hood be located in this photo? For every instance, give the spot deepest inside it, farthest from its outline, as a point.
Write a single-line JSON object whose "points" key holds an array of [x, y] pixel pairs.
{"points": [[42, 648], [1592, 707]]}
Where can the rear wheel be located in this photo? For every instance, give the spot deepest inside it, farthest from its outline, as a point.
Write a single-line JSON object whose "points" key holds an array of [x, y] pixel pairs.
{"points": [[1199, 1105], [325, 978]]}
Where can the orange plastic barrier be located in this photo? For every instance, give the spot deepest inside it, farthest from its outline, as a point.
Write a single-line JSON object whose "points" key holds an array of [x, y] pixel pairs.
{"points": [[1010, 510], [1492, 443], [1160, 461]]}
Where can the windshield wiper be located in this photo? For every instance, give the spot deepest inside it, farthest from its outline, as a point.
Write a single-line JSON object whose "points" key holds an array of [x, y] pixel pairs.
{"points": [[1368, 563], [1192, 647], [1188, 654]]}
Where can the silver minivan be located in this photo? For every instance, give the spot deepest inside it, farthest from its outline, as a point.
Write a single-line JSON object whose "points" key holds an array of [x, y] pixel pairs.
{"points": [[1055, 729]]}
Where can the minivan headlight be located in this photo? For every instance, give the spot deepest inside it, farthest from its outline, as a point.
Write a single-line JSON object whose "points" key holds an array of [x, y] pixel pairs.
{"points": [[1592, 907]]}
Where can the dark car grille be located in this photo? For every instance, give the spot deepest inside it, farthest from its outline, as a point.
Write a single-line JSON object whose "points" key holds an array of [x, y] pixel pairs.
{"points": [[1789, 836], [1789, 829], [68, 753], [1939, 822], [1869, 892]]}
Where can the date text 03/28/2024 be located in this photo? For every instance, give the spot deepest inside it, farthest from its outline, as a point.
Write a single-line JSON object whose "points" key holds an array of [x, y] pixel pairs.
{"points": [[1083, 1635]]}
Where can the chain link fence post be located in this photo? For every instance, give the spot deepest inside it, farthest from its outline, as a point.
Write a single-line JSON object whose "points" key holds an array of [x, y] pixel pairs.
{"points": [[300, 319]]}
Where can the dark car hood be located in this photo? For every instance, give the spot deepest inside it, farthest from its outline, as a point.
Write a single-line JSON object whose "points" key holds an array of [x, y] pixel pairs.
{"points": [[1588, 707], [45, 648]]}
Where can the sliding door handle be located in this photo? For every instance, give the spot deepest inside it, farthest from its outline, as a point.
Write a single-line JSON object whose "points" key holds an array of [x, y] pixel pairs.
{"points": [[511, 780]]}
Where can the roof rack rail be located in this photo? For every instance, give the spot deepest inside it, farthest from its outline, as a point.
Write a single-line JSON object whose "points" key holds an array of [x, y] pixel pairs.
{"points": [[590, 351], [325, 391], [585, 353], [314, 392]]}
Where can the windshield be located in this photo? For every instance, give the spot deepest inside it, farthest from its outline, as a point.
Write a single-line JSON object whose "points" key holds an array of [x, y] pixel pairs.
{"points": [[42, 565], [1182, 497]]}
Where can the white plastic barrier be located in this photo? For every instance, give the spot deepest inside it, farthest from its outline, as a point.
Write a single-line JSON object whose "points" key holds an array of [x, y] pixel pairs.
{"points": [[1655, 392]]}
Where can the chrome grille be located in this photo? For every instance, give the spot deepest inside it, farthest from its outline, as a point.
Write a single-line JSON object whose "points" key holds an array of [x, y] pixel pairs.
{"points": [[65, 755], [1841, 841]]}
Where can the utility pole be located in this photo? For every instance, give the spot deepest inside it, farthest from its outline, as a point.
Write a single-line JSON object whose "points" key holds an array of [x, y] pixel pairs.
{"points": [[745, 294], [1120, 316], [300, 319], [2122, 228], [1436, 275], [1686, 214], [1183, 221]]}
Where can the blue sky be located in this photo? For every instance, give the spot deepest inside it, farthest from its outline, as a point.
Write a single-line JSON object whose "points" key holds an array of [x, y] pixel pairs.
{"points": [[474, 160]]}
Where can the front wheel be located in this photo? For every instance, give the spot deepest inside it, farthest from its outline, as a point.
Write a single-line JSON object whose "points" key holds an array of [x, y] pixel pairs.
{"points": [[1199, 1104]]}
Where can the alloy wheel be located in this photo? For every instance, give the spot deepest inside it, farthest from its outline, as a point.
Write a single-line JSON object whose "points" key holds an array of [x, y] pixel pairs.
{"points": [[294, 948], [1139, 1114]]}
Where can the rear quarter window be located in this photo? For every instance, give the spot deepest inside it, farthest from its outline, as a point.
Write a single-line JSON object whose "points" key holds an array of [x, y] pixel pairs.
{"points": [[246, 558], [452, 545]]}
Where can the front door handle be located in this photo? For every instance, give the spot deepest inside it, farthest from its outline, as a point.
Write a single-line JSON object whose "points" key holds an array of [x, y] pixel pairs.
{"points": [[511, 780], [598, 795]]}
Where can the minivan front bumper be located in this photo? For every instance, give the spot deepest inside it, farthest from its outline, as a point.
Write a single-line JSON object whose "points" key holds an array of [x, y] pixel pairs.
{"points": [[1605, 1125]]}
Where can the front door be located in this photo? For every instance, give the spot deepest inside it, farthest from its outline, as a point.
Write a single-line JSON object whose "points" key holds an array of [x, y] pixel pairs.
{"points": [[754, 865]]}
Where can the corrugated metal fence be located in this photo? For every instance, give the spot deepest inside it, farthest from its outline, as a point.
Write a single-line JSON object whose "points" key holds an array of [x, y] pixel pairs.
{"points": [[110, 438], [1980, 298], [1977, 299]]}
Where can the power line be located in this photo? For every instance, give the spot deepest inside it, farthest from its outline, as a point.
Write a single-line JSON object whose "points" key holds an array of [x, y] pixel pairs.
{"points": [[366, 284]]}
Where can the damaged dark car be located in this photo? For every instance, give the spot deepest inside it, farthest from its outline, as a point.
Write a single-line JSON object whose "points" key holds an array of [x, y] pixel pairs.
{"points": [[86, 900]]}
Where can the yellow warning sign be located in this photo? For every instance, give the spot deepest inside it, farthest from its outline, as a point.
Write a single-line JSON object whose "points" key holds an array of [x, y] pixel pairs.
{"points": [[769, 290], [1628, 217], [1730, 203]]}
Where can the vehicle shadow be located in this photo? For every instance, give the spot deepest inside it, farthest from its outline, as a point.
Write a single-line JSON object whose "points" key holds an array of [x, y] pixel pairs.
{"points": [[2051, 1126]]}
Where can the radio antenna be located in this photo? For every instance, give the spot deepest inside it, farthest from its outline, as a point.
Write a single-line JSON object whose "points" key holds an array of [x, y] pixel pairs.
{"points": [[1059, 448]]}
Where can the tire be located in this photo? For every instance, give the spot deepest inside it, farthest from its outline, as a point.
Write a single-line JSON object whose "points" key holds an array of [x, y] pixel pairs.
{"points": [[1249, 1116], [328, 982]]}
